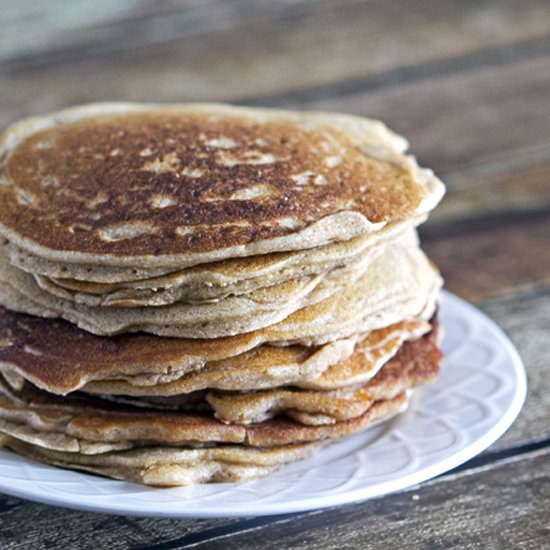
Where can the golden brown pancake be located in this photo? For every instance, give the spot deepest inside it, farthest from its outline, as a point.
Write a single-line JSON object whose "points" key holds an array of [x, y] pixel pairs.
{"points": [[248, 372], [416, 363], [211, 280], [101, 422], [167, 466], [72, 419], [399, 282], [61, 358], [247, 285], [176, 185]]}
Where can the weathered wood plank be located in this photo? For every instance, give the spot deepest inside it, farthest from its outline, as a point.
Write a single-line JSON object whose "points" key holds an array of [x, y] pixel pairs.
{"points": [[521, 185], [505, 506], [492, 256], [51, 28], [230, 50], [25, 525], [461, 121], [526, 319]]}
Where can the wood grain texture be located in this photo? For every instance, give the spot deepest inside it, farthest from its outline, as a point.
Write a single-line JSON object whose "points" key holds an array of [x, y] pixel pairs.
{"points": [[504, 506], [493, 255], [525, 317], [521, 186], [25, 525], [486, 115], [52, 27], [231, 50]]}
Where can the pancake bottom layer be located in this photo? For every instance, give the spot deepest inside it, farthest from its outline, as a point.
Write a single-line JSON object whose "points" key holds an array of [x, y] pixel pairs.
{"points": [[260, 431]]}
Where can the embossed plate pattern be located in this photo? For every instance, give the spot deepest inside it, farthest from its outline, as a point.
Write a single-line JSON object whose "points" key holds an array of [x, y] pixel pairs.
{"points": [[477, 397]]}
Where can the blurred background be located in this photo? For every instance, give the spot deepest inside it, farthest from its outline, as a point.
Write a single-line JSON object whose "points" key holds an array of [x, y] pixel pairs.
{"points": [[468, 82]]}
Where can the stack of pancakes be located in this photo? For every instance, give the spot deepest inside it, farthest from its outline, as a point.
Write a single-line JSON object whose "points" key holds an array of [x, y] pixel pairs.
{"points": [[197, 293]]}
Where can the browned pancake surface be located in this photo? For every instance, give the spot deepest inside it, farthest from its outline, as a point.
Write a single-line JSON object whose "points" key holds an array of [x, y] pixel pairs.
{"points": [[95, 420], [61, 358], [167, 183], [416, 362], [58, 355]]}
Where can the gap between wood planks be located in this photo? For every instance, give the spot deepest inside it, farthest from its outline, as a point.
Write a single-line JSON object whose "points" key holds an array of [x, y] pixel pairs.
{"points": [[496, 457]]}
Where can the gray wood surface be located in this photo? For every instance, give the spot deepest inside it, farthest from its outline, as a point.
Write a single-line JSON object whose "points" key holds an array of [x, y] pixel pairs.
{"points": [[526, 319], [468, 82], [489, 508]]}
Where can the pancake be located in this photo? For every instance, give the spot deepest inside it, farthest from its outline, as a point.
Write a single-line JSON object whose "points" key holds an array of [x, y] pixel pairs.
{"points": [[218, 281], [371, 354], [206, 281], [233, 315], [250, 372], [180, 185], [398, 284], [44, 422], [417, 358], [250, 419], [416, 363], [60, 358], [167, 467], [295, 291]]}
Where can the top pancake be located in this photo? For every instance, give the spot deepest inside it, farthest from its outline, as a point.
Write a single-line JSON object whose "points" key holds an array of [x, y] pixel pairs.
{"points": [[123, 184]]}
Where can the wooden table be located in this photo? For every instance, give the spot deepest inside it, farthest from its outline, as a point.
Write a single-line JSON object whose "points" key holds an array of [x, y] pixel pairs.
{"points": [[469, 83]]}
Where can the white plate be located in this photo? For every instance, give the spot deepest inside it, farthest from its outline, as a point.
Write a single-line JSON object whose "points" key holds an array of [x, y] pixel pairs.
{"points": [[477, 397]]}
